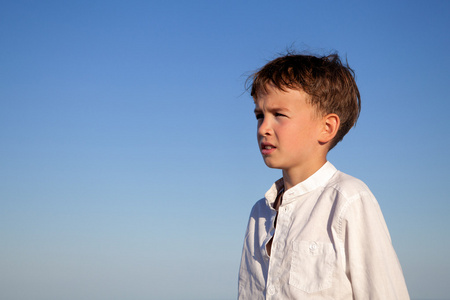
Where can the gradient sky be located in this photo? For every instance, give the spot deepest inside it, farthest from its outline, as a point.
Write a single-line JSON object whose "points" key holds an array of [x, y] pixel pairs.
{"points": [[128, 155]]}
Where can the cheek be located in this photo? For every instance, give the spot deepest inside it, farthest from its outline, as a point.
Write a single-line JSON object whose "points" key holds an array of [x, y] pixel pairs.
{"points": [[288, 130]]}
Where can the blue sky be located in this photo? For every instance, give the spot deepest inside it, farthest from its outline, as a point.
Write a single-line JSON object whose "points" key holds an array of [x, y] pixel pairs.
{"points": [[128, 155]]}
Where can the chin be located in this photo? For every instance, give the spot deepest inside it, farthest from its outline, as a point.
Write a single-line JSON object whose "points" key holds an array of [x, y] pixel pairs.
{"points": [[271, 165]]}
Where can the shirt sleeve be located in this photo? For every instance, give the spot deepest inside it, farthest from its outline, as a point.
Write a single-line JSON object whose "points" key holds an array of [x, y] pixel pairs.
{"points": [[372, 265]]}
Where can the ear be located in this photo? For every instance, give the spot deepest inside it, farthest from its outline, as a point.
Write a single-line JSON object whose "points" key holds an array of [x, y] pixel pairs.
{"points": [[330, 126]]}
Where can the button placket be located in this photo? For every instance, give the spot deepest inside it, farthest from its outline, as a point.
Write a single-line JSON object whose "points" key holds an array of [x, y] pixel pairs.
{"points": [[313, 247], [271, 290]]}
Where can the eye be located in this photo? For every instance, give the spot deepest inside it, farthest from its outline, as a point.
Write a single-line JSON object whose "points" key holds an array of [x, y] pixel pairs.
{"points": [[259, 116], [279, 115]]}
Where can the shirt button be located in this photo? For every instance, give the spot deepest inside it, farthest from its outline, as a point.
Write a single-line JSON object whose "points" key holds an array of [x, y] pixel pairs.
{"points": [[286, 209], [313, 247], [271, 290]]}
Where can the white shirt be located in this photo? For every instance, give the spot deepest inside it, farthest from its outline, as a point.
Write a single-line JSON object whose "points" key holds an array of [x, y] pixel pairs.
{"points": [[330, 242]]}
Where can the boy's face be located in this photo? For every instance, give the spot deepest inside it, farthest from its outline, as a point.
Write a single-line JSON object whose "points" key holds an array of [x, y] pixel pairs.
{"points": [[288, 131]]}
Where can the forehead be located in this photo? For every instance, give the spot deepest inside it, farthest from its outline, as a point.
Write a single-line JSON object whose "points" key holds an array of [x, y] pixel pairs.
{"points": [[274, 97]]}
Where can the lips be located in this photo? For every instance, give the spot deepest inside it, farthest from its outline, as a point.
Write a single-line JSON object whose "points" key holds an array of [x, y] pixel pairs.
{"points": [[267, 148]]}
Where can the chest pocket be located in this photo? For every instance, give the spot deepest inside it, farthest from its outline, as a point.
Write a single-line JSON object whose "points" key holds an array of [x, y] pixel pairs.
{"points": [[312, 266]]}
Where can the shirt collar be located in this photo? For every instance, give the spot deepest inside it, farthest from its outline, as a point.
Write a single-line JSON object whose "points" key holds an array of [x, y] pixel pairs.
{"points": [[318, 179]]}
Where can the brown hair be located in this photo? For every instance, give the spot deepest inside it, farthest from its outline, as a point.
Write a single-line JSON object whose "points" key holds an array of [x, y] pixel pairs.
{"points": [[329, 82]]}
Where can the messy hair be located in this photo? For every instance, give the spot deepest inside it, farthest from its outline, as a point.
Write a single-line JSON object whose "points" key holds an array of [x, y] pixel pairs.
{"points": [[330, 84]]}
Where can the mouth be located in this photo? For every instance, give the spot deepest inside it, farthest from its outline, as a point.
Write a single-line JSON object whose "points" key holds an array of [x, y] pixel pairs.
{"points": [[267, 148]]}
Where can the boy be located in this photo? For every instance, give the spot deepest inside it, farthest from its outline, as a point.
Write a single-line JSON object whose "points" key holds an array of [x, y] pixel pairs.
{"points": [[318, 233]]}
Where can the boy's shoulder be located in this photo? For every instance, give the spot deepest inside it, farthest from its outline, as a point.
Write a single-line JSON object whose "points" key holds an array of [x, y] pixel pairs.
{"points": [[261, 208], [351, 197], [347, 185]]}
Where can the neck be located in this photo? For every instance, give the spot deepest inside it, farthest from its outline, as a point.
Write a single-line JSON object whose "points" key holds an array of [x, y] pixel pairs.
{"points": [[293, 177]]}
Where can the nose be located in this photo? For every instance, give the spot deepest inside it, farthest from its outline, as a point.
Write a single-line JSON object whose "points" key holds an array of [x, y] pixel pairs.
{"points": [[264, 127]]}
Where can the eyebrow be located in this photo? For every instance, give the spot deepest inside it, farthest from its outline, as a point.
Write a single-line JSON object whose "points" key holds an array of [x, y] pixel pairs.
{"points": [[272, 109]]}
